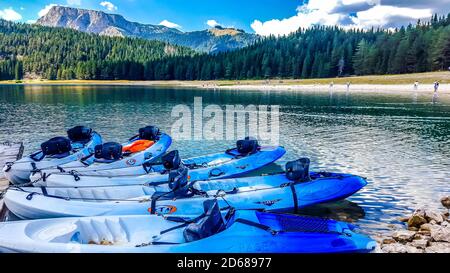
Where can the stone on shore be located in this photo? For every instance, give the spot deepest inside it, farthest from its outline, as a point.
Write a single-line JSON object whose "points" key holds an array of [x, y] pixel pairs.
{"points": [[441, 234], [400, 248], [445, 201], [438, 248], [427, 231], [403, 236], [416, 221]]}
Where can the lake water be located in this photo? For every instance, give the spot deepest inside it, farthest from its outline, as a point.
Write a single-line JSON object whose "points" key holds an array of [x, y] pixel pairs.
{"points": [[400, 142]]}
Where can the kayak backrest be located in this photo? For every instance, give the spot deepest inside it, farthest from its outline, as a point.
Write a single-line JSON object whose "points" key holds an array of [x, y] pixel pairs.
{"points": [[209, 225], [149, 133], [110, 151], [248, 145], [172, 160], [178, 179], [56, 146], [298, 170], [79, 134]]}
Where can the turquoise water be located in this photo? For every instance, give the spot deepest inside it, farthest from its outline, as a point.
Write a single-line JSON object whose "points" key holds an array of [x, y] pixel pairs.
{"points": [[400, 142]]}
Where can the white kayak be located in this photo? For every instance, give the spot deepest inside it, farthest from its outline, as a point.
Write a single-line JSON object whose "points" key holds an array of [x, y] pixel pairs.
{"points": [[82, 144], [227, 164], [211, 232], [92, 166], [271, 192]]}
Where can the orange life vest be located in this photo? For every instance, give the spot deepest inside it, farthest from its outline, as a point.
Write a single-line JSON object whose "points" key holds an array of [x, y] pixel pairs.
{"points": [[138, 146]]}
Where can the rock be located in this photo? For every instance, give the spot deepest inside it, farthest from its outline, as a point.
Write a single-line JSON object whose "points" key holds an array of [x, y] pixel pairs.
{"points": [[433, 216], [425, 227], [445, 224], [404, 219], [440, 234], [413, 229], [418, 236], [422, 244], [416, 221], [388, 241], [419, 212], [403, 236], [438, 248], [399, 248], [445, 201]]}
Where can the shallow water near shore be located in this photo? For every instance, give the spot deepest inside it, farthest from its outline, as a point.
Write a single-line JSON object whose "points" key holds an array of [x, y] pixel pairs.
{"points": [[400, 141]]}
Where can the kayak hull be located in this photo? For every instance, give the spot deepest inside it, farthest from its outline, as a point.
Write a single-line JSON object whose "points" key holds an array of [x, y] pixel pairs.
{"points": [[19, 172], [127, 234], [271, 193], [215, 166]]}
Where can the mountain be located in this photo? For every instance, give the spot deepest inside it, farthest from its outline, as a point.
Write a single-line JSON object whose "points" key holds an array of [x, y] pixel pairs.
{"points": [[214, 40]]}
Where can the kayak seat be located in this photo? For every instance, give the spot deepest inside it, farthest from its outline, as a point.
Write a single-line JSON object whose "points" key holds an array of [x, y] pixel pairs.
{"points": [[172, 160], [247, 146], [56, 146], [298, 170], [80, 134], [149, 133], [108, 152], [209, 225]]}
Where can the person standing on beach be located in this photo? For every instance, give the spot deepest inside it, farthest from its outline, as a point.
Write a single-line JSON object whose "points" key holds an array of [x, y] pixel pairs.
{"points": [[436, 86], [416, 85], [348, 86]]}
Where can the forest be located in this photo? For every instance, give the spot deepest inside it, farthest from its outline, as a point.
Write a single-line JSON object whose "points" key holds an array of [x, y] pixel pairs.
{"points": [[317, 52], [64, 54]]}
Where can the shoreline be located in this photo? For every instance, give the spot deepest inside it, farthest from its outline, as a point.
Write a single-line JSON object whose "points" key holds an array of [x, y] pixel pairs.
{"points": [[388, 83]]}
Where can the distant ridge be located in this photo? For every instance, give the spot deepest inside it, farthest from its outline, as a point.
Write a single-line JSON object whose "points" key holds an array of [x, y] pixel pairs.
{"points": [[217, 39]]}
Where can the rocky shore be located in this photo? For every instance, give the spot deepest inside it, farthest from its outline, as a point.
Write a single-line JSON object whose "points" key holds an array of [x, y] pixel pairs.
{"points": [[428, 231]]}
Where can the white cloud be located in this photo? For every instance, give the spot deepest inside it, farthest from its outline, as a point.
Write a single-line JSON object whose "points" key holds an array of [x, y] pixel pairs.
{"points": [[74, 2], [169, 24], [212, 23], [10, 15], [31, 21], [46, 9], [108, 5], [345, 13], [383, 15]]}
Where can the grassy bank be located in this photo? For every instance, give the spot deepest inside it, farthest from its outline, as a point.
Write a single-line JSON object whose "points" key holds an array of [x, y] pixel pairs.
{"points": [[405, 79]]}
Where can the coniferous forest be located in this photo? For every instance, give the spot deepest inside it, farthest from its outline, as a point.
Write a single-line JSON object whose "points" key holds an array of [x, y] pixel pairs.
{"points": [[318, 52]]}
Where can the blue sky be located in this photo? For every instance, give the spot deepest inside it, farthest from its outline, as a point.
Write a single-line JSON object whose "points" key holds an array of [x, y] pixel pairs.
{"points": [[261, 16]]}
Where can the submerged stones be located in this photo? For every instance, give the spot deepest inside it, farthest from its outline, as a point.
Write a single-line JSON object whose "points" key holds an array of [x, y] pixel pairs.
{"points": [[428, 231]]}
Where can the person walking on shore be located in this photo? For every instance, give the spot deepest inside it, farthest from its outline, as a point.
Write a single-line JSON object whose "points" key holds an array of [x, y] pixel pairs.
{"points": [[348, 86], [416, 85]]}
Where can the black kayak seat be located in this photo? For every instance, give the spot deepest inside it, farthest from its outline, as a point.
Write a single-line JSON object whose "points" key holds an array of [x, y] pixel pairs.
{"points": [[171, 160], [149, 133], [108, 152], [249, 145], [80, 134], [57, 146], [298, 170], [209, 225]]}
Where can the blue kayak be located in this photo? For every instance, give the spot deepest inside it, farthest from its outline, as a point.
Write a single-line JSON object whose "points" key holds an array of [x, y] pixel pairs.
{"points": [[230, 163], [211, 232], [278, 192]]}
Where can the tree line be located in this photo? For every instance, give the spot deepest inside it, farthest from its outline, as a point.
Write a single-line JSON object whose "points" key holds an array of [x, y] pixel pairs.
{"points": [[316, 52], [57, 53]]}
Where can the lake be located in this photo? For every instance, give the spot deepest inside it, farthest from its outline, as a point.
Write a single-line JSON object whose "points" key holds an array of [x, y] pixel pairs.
{"points": [[400, 142]]}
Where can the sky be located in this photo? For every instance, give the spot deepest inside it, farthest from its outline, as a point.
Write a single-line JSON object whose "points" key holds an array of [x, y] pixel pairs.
{"points": [[264, 17]]}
